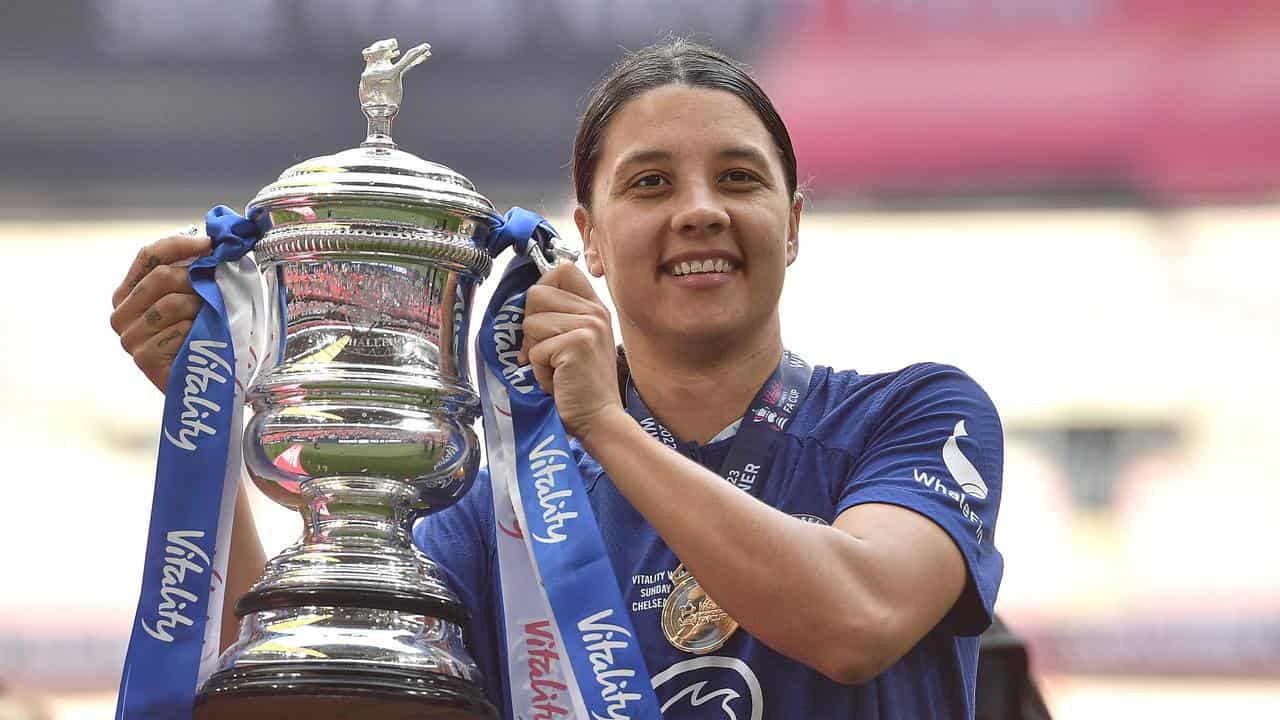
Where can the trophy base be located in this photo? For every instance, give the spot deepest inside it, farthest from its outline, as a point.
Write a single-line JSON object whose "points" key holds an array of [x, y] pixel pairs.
{"points": [[338, 691]]}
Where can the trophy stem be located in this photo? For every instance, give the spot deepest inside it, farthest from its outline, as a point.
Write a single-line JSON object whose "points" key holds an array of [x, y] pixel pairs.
{"points": [[356, 548], [355, 508], [379, 134]]}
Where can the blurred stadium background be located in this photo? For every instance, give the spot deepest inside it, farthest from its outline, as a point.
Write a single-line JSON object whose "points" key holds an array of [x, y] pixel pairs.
{"points": [[1077, 201]]}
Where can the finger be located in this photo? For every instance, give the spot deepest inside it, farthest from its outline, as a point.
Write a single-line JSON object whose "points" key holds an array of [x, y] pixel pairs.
{"points": [[560, 350], [156, 354], [543, 372], [569, 278], [161, 281], [165, 251], [546, 378], [549, 298], [546, 325], [168, 310]]}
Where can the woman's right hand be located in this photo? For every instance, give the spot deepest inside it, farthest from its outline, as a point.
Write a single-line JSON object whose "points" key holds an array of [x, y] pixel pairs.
{"points": [[155, 305]]}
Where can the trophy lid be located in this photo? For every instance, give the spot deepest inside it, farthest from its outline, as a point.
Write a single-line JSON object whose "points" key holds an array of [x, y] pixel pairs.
{"points": [[377, 170]]}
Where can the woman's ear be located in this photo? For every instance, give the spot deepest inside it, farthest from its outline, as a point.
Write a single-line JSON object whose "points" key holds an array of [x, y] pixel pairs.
{"points": [[793, 228], [590, 249]]}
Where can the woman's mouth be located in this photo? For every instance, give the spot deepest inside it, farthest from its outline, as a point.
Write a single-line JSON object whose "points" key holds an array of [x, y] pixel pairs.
{"points": [[702, 273], [698, 267]]}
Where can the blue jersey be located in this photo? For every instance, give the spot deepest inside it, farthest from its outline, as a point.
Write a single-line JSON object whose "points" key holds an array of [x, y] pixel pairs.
{"points": [[925, 438]]}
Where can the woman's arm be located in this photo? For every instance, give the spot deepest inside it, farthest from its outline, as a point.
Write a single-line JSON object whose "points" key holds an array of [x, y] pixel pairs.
{"points": [[244, 566], [847, 600]]}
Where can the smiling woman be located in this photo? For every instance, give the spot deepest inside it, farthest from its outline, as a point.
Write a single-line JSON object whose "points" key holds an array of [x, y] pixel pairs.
{"points": [[688, 177], [789, 539], [734, 483]]}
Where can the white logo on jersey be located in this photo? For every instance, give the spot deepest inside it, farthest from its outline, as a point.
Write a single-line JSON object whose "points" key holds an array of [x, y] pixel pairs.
{"points": [[730, 699], [811, 519], [962, 471]]}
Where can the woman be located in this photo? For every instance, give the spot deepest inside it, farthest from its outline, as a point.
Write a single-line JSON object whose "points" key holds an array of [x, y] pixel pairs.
{"points": [[856, 555]]}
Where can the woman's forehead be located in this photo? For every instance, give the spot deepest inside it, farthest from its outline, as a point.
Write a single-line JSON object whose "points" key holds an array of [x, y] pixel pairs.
{"points": [[675, 120]]}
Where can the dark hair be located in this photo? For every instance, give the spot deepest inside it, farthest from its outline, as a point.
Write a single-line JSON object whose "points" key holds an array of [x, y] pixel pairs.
{"points": [[676, 62]]}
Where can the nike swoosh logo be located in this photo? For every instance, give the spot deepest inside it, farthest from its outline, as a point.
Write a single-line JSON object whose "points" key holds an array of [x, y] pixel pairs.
{"points": [[959, 466]]}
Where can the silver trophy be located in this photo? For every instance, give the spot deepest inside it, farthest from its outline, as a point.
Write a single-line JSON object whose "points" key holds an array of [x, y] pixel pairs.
{"points": [[363, 419]]}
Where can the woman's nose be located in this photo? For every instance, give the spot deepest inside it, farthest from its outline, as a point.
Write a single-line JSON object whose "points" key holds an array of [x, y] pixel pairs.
{"points": [[700, 210]]}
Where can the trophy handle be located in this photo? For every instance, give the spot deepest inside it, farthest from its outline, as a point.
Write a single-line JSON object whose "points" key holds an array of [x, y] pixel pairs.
{"points": [[547, 253]]}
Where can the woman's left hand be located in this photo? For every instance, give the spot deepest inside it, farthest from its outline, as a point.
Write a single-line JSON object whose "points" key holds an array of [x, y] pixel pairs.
{"points": [[568, 338]]}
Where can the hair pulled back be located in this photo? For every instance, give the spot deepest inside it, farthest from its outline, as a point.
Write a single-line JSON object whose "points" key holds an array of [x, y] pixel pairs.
{"points": [[675, 62]]}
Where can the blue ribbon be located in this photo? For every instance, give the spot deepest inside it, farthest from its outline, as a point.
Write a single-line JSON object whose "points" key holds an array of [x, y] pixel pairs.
{"points": [[568, 549], [165, 647], [518, 228]]}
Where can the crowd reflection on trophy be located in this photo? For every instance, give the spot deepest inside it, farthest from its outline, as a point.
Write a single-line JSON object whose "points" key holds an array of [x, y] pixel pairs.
{"points": [[363, 419]]}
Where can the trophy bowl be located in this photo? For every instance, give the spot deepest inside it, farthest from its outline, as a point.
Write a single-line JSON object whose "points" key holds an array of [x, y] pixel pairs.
{"points": [[363, 414]]}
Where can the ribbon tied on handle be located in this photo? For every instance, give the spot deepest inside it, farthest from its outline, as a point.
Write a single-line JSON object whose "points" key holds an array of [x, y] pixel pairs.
{"points": [[173, 645]]}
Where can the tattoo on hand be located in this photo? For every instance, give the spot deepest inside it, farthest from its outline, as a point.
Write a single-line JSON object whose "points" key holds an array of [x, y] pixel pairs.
{"points": [[168, 339], [153, 262], [152, 317]]}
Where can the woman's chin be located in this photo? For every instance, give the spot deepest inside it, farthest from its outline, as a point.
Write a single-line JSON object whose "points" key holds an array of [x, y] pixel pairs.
{"points": [[705, 332]]}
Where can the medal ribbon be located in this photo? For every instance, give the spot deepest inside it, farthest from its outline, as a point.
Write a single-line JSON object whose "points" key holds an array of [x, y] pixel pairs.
{"points": [[173, 646], [552, 556], [750, 456]]}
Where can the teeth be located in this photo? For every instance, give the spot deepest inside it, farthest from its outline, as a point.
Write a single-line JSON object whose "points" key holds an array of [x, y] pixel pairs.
{"points": [[701, 266]]}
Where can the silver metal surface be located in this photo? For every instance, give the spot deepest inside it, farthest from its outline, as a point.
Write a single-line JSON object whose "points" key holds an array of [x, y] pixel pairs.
{"points": [[373, 377], [351, 636], [363, 414], [355, 536], [381, 87], [547, 257]]}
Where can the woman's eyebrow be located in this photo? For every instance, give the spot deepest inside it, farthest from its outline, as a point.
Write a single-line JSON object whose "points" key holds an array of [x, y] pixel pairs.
{"points": [[743, 152], [644, 156]]}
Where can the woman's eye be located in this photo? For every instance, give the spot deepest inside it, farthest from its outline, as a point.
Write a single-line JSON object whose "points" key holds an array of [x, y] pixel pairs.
{"points": [[650, 181]]}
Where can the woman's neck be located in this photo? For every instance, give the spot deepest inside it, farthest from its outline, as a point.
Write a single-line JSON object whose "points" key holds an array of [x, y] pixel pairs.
{"points": [[696, 395]]}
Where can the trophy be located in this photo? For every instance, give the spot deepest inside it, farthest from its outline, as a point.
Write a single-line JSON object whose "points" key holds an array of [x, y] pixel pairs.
{"points": [[363, 416]]}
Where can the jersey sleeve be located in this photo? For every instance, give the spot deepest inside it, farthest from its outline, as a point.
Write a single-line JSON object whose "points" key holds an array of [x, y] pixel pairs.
{"points": [[937, 448], [454, 538], [459, 540]]}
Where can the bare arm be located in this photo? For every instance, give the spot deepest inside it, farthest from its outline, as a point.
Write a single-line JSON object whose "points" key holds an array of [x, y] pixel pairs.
{"points": [[244, 566], [847, 600]]}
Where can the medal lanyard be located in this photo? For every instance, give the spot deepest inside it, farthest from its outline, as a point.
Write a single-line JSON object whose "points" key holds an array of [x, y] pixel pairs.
{"points": [[751, 455]]}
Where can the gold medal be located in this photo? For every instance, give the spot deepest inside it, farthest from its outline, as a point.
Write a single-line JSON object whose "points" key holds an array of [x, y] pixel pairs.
{"points": [[691, 620]]}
